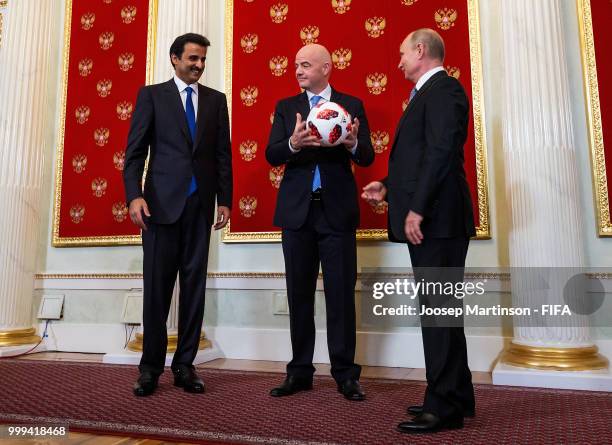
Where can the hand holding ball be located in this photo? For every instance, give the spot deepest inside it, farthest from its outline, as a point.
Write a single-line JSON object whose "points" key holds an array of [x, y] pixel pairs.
{"points": [[330, 123]]}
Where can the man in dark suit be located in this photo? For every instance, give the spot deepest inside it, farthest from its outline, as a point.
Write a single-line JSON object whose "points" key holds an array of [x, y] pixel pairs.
{"points": [[430, 209], [317, 209], [184, 127]]}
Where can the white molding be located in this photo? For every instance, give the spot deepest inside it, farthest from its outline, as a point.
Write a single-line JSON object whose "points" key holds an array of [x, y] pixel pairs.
{"points": [[127, 357]]}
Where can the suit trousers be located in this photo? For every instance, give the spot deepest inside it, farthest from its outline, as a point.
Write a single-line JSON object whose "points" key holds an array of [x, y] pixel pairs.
{"points": [[449, 381], [316, 242], [181, 247]]}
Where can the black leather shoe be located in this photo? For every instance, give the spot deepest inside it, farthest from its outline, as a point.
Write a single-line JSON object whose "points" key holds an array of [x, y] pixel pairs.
{"points": [[291, 385], [185, 377], [429, 423], [146, 384], [351, 390], [416, 410]]}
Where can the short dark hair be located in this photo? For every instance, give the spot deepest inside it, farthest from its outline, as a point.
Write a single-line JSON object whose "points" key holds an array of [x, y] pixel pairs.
{"points": [[178, 46]]}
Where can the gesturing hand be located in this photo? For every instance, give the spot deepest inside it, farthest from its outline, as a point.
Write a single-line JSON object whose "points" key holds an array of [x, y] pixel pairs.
{"points": [[301, 136]]}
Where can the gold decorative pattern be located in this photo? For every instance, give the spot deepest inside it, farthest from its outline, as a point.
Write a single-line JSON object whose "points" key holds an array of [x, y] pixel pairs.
{"points": [[124, 110], [79, 162], [128, 14], [380, 141], [125, 61], [18, 337], [248, 95], [478, 111], [375, 26], [453, 71], [106, 40], [376, 83], [104, 87], [483, 228], [596, 141], [82, 114], [101, 136], [79, 211], [119, 160], [1, 21], [278, 12], [276, 176], [248, 150], [557, 359], [87, 21], [341, 58], [249, 42], [341, 6], [120, 211], [98, 187], [247, 206], [445, 18], [278, 65], [85, 66], [309, 34]]}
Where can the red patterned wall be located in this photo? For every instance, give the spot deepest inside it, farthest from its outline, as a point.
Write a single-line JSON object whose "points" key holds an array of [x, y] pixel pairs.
{"points": [[364, 38]]}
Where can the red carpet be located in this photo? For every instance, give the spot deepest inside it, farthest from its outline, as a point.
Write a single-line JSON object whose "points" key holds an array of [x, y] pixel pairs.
{"points": [[237, 409]]}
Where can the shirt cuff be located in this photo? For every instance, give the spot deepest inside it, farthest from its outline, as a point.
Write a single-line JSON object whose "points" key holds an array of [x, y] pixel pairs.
{"points": [[354, 149], [291, 147]]}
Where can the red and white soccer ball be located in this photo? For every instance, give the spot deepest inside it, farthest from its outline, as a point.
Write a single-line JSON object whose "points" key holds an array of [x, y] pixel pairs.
{"points": [[330, 123]]}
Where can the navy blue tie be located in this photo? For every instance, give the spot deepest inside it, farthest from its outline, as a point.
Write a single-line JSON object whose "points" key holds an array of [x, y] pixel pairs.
{"points": [[413, 93], [191, 123], [316, 180]]}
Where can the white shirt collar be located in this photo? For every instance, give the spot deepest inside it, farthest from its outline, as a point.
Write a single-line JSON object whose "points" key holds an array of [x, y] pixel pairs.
{"points": [[425, 77], [182, 85], [325, 94]]}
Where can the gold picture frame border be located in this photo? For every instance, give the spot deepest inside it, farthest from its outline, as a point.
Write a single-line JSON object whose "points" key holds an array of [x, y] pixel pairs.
{"points": [[127, 240], [483, 230], [594, 123]]}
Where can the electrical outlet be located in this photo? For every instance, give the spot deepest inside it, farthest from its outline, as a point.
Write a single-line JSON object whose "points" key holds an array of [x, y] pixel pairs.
{"points": [[281, 306], [51, 307], [132, 308]]}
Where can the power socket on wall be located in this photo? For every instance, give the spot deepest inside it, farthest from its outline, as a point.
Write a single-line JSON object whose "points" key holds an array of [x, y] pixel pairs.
{"points": [[281, 306]]}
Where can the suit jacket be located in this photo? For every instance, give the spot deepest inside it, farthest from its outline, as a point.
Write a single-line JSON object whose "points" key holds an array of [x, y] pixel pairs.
{"points": [[159, 126], [426, 172], [339, 190]]}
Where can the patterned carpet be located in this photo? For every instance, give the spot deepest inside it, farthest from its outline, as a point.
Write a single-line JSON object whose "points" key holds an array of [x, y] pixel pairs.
{"points": [[237, 409]]}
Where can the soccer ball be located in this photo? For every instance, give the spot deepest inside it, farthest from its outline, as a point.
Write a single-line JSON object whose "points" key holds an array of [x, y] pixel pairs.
{"points": [[330, 123]]}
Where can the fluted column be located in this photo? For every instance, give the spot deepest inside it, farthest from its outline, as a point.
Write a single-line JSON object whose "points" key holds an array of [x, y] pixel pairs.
{"points": [[542, 188], [175, 17], [24, 74]]}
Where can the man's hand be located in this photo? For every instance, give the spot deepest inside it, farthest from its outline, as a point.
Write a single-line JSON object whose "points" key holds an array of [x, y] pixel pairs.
{"points": [[374, 192], [412, 228], [301, 136], [351, 138], [138, 206], [223, 216]]}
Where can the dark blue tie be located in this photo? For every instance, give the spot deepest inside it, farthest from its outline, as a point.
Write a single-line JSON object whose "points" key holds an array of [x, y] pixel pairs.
{"points": [[413, 93], [191, 123], [316, 180]]}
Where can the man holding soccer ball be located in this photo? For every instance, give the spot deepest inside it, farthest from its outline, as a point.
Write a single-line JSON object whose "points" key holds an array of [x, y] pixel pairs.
{"points": [[318, 211]]}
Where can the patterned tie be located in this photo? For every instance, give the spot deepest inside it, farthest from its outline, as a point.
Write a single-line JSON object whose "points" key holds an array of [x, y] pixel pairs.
{"points": [[191, 123], [316, 180], [412, 94]]}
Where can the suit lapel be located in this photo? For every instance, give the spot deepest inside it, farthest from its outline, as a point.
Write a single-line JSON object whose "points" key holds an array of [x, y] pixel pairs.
{"points": [[420, 94], [175, 105], [303, 105], [204, 114]]}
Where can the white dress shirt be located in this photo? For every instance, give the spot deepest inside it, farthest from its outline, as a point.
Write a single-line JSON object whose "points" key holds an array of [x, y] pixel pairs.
{"points": [[194, 95], [425, 77]]}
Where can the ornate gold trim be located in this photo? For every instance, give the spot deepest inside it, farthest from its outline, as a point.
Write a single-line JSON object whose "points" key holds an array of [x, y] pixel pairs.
{"points": [[558, 359], [3, 3], [593, 112], [126, 240], [502, 276], [19, 337], [483, 230], [136, 344]]}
